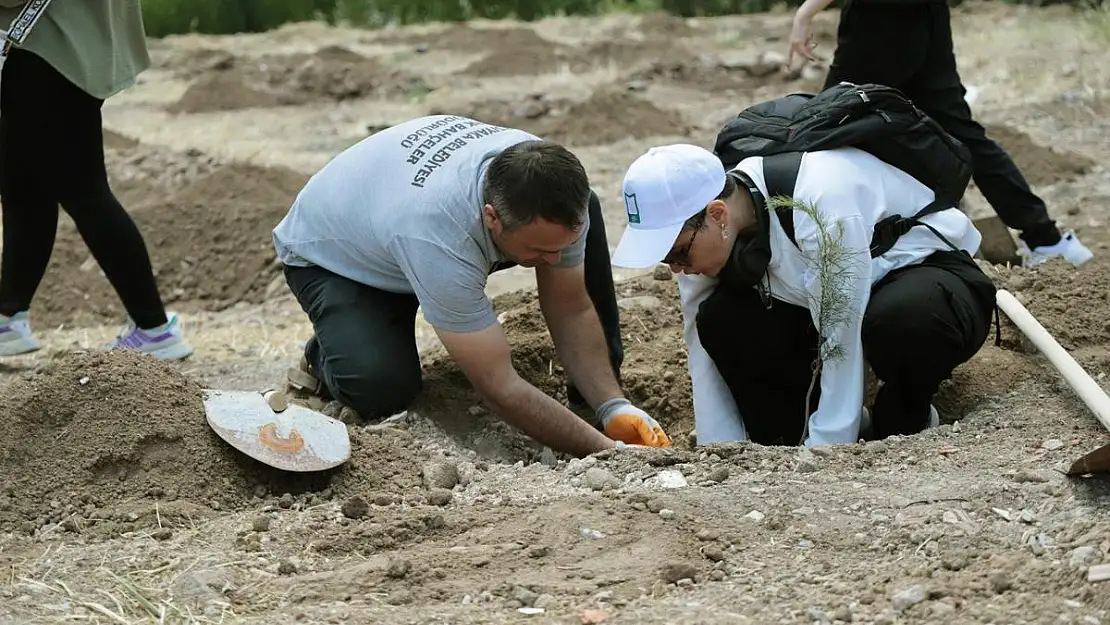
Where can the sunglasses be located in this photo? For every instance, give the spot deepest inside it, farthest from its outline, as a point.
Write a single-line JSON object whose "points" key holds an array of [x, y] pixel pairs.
{"points": [[681, 257]]}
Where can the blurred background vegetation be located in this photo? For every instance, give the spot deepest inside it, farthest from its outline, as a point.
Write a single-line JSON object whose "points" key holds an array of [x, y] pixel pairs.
{"points": [[168, 17]]}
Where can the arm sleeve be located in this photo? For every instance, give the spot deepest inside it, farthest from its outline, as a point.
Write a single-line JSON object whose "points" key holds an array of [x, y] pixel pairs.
{"points": [[450, 287], [838, 279], [716, 418]]}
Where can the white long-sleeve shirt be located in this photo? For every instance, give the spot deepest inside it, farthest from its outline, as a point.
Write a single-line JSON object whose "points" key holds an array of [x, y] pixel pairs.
{"points": [[851, 190]]}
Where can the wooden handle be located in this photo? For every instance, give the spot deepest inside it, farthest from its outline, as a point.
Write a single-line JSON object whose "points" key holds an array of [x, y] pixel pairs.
{"points": [[1077, 378]]}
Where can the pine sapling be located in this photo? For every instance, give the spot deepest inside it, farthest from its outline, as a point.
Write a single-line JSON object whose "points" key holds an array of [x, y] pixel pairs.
{"points": [[833, 261]]}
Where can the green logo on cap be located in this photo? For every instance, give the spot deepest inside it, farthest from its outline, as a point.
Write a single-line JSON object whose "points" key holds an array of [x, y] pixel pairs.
{"points": [[632, 208]]}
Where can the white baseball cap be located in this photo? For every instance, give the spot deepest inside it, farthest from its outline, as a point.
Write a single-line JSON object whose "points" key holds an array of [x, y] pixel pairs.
{"points": [[662, 189]]}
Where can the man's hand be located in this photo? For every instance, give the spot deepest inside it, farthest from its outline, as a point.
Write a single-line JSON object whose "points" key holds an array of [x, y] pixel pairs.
{"points": [[483, 357], [626, 423]]}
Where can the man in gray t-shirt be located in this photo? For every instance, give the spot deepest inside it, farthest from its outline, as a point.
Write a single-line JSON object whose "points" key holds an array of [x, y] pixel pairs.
{"points": [[419, 215]]}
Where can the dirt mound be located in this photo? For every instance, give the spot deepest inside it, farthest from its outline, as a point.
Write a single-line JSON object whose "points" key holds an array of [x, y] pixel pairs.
{"points": [[219, 92], [331, 74], [140, 172], [1070, 302], [1040, 164], [707, 72], [610, 115], [210, 244], [96, 438], [519, 52], [95, 429]]}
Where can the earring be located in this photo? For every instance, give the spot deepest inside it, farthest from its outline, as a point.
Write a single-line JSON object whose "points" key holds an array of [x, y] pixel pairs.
{"points": [[724, 234]]}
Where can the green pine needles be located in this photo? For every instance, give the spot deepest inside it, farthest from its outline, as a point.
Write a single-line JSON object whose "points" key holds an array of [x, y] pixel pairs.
{"points": [[833, 262]]}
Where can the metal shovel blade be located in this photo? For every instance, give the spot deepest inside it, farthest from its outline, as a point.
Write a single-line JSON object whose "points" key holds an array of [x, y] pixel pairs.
{"points": [[295, 439], [1097, 461]]}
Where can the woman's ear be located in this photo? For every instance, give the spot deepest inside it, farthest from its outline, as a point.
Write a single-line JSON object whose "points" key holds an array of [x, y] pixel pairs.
{"points": [[717, 212]]}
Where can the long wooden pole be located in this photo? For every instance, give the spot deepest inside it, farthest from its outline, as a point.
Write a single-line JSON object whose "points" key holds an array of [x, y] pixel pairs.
{"points": [[1077, 378]]}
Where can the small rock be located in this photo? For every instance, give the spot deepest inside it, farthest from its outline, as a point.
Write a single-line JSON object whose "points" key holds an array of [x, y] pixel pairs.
{"points": [[398, 569], [1082, 557], [713, 553], [545, 601], [164, 533], [717, 575], [1052, 444], [718, 475], [1025, 476], [441, 474], [908, 597], [286, 501], [600, 479], [355, 508], [261, 524], [643, 302], [707, 535], [578, 466], [816, 615], [654, 506], [675, 571], [526, 597], [662, 272], [806, 461], [667, 479], [666, 513], [538, 551], [285, 567], [755, 515], [843, 614], [440, 496], [1000, 583]]}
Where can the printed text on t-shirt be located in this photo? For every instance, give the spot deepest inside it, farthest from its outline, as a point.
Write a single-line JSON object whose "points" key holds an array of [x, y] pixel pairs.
{"points": [[434, 136]]}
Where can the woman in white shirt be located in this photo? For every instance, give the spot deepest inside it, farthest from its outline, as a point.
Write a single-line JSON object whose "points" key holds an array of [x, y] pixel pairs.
{"points": [[753, 300]]}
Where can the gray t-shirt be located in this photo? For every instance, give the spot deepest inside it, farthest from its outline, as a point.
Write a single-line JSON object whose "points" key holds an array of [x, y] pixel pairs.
{"points": [[402, 211]]}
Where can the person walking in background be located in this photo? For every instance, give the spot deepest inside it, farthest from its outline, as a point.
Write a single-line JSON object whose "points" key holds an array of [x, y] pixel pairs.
{"points": [[907, 44], [52, 153]]}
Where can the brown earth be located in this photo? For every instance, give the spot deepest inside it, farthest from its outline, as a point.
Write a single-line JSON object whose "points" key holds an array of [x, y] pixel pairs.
{"points": [[331, 74], [119, 504]]}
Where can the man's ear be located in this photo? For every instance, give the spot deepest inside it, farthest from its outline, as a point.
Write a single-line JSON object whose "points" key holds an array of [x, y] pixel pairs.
{"points": [[489, 216]]}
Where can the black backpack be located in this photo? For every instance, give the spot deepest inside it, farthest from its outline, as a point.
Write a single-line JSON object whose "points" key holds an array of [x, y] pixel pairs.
{"points": [[875, 118]]}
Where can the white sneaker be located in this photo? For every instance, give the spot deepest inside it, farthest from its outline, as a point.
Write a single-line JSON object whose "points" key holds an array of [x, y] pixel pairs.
{"points": [[164, 343], [15, 335], [1069, 248]]}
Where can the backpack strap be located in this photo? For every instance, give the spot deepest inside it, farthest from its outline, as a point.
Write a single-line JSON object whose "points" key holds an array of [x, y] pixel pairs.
{"points": [[780, 171], [889, 230]]}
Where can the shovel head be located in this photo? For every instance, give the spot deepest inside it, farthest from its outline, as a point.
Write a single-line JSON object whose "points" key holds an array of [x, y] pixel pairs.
{"points": [[1095, 462], [295, 439]]}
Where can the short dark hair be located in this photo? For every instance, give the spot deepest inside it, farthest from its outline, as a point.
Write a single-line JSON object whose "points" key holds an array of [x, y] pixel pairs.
{"points": [[537, 179]]}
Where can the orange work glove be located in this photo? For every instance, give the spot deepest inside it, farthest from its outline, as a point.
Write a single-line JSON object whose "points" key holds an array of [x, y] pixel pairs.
{"points": [[626, 423]]}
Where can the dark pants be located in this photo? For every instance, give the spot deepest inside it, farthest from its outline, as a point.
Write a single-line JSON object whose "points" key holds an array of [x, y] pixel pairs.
{"points": [[364, 348], [920, 324], [908, 46], [51, 153]]}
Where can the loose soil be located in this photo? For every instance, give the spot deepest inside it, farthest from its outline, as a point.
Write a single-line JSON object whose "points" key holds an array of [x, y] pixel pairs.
{"points": [[119, 504], [210, 244], [331, 74]]}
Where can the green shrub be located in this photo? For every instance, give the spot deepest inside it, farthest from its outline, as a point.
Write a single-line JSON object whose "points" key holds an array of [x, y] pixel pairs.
{"points": [[167, 17]]}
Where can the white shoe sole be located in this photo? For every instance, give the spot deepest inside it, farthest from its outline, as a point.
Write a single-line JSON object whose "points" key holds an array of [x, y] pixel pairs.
{"points": [[178, 351], [25, 345]]}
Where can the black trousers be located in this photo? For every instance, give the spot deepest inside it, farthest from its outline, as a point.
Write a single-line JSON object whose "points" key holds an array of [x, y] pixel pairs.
{"points": [[363, 346], [908, 45], [51, 153], [921, 323]]}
